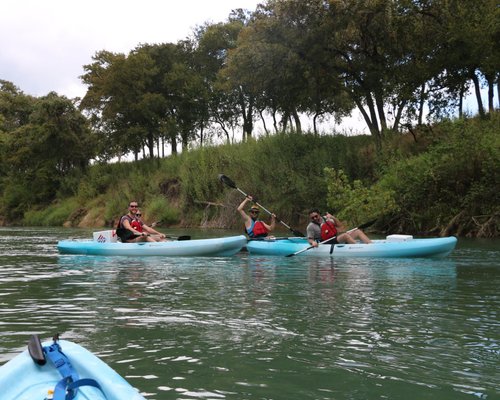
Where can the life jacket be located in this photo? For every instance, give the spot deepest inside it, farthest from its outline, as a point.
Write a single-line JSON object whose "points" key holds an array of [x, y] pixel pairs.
{"points": [[257, 229], [328, 230], [137, 225], [123, 233], [120, 222]]}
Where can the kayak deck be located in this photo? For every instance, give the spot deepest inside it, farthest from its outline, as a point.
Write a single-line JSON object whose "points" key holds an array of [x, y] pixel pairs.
{"points": [[431, 247]]}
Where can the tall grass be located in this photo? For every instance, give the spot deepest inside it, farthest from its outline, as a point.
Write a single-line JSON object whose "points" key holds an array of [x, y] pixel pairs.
{"points": [[452, 168]]}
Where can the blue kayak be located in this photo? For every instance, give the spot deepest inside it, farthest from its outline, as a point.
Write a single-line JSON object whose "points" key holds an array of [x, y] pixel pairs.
{"points": [[392, 246], [25, 378], [223, 246]]}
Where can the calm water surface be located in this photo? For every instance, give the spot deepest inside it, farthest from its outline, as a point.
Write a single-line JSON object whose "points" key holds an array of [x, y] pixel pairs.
{"points": [[248, 327]]}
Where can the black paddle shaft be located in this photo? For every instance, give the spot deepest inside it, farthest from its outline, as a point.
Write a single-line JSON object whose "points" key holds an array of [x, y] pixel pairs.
{"points": [[226, 180]]}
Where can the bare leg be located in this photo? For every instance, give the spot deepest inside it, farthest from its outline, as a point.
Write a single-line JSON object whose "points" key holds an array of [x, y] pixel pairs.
{"points": [[345, 238], [359, 234]]}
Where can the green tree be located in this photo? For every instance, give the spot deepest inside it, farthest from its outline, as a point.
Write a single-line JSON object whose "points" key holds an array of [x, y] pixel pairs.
{"points": [[468, 47], [212, 43], [123, 108], [52, 143]]}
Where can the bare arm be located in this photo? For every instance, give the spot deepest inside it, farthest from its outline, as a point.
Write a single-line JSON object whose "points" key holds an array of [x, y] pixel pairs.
{"points": [[310, 237], [272, 225], [338, 224], [152, 231], [242, 212], [126, 225]]}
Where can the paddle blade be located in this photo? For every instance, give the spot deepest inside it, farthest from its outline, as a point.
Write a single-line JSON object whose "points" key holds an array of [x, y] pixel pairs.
{"points": [[367, 224], [226, 180], [298, 233], [185, 237]]}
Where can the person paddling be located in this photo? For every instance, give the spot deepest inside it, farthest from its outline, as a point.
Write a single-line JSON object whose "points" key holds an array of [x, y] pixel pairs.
{"points": [[132, 229], [254, 227], [331, 228]]}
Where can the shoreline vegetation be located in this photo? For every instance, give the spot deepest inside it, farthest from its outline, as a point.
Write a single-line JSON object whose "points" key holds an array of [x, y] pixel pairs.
{"points": [[440, 180]]}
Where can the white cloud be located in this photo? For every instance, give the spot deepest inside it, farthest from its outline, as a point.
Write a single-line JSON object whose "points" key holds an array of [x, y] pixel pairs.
{"points": [[44, 44]]}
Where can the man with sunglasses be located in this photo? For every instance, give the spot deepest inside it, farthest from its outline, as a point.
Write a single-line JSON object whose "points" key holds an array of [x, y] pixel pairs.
{"points": [[254, 227], [129, 232], [320, 225]]}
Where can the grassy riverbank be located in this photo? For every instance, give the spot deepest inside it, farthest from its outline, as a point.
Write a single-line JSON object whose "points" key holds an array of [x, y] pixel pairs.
{"points": [[438, 180]]}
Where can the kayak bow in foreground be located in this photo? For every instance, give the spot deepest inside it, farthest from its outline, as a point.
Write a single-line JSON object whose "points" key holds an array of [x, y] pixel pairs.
{"points": [[61, 370]]}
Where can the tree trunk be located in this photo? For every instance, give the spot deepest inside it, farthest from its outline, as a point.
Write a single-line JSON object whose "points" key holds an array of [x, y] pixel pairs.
{"points": [[379, 101], [263, 122], [284, 121], [174, 145], [399, 113], [421, 105], [275, 122], [477, 89], [374, 127], [374, 130], [315, 128], [461, 102], [201, 135], [298, 125], [151, 145], [247, 114], [248, 123], [491, 90], [498, 91]]}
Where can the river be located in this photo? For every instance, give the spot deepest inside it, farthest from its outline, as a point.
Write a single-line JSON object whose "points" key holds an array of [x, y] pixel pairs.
{"points": [[248, 327]]}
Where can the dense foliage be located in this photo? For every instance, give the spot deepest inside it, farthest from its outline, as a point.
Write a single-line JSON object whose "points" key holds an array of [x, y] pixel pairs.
{"points": [[43, 140], [447, 187], [451, 188]]}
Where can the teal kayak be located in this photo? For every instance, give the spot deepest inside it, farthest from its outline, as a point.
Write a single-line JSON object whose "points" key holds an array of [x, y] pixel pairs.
{"points": [[24, 378], [392, 246], [222, 246]]}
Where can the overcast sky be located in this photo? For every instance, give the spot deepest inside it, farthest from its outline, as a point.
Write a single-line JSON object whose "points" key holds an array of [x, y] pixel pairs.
{"points": [[45, 43]]}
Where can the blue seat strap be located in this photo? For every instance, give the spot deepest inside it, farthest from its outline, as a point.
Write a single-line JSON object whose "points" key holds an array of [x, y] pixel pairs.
{"points": [[67, 390], [61, 361], [67, 387]]}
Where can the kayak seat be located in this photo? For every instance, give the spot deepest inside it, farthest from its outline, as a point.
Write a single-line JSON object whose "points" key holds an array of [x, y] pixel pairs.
{"points": [[36, 351], [67, 387]]}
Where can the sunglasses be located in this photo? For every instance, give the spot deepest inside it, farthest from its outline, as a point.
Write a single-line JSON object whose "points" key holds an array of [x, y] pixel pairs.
{"points": [[254, 211], [131, 206], [314, 216], [138, 214]]}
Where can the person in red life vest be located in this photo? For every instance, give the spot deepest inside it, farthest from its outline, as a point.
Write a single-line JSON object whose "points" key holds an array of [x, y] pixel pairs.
{"points": [[137, 222], [329, 227], [130, 229], [254, 227]]}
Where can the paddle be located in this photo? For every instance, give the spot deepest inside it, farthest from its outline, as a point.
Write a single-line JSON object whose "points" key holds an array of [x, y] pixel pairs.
{"points": [[183, 237], [366, 224], [226, 180]]}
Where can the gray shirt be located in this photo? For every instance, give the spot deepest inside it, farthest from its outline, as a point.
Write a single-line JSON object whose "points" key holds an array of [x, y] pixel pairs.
{"points": [[313, 231]]}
